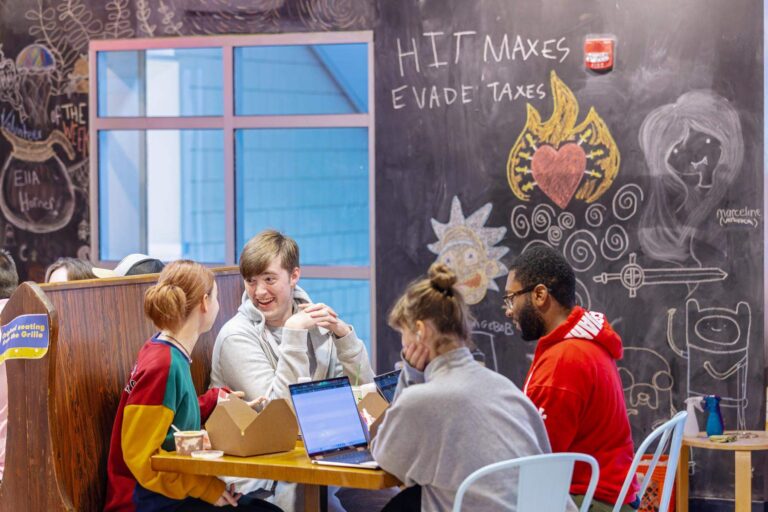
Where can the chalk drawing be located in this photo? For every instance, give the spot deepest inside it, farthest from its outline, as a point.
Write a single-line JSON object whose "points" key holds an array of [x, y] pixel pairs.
{"points": [[615, 243], [520, 224], [626, 200], [647, 381], [485, 342], [119, 16], [694, 150], [143, 15], [469, 248], [716, 348], [595, 215], [563, 159], [579, 250], [633, 277], [333, 14]]}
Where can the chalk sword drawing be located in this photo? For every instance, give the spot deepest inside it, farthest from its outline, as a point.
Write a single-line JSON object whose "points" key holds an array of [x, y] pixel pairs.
{"points": [[563, 159], [633, 277], [717, 349]]}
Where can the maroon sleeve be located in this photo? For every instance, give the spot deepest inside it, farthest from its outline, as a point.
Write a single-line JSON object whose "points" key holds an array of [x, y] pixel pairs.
{"points": [[207, 402]]}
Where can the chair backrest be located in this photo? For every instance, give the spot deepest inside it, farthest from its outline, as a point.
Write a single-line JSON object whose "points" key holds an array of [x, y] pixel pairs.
{"points": [[671, 434], [544, 481]]}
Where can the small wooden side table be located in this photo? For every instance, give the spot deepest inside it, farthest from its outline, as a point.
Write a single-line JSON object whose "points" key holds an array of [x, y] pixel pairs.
{"points": [[742, 448]]}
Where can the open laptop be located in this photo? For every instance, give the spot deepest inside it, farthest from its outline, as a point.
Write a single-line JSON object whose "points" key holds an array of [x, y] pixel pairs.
{"points": [[330, 425], [386, 383]]}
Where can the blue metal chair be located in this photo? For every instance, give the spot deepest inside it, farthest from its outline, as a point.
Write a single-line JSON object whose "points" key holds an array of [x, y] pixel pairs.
{"points": [[671, 434], [543, 482]]}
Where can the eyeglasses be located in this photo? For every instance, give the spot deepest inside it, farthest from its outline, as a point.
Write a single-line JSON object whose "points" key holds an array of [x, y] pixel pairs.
{"points": [[510, 297]]}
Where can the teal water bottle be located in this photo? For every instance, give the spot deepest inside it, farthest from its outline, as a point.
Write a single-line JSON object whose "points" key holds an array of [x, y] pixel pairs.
{"points": [[714, 418]]}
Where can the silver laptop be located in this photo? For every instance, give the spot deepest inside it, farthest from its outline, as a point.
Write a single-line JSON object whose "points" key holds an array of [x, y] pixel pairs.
{"points": [[331, 427]]}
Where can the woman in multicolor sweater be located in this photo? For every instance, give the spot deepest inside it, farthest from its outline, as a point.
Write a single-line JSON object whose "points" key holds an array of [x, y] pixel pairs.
{"points": [[160, 393]]}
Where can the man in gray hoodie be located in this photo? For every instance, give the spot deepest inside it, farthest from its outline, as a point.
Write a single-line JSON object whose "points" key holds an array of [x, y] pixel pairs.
{"points": [[278, 335]]}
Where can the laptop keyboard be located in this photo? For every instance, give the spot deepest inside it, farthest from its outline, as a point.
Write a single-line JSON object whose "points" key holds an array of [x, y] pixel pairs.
{"points": [[351, 457]]}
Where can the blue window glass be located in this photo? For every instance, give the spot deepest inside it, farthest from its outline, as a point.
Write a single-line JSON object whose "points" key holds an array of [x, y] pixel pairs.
{"points": [[161, 192], [350, 298], [120, 194], [311, 184], [157, 83], [120, 84], [301, 79]]}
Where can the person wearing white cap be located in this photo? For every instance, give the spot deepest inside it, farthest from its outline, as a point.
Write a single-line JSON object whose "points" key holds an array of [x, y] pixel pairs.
{"points": [[136, 264]]}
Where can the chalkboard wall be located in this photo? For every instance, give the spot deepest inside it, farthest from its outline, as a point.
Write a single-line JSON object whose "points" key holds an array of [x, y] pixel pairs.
{"points": [[491, 136]]}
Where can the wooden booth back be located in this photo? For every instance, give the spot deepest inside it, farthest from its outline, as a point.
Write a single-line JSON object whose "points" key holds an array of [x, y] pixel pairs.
{"points": [[62, 407]]}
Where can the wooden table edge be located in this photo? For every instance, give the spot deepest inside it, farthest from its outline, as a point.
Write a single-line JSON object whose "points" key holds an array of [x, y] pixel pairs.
{"points": [[303, 473], [754, 444]]}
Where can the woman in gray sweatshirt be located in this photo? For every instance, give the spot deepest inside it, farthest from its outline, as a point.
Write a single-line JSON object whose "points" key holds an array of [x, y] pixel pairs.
{"points": [[451, 415]]}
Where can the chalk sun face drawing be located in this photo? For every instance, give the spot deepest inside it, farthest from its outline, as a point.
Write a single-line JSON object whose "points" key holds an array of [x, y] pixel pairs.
{"points": [[467, 247], [563, 159]]}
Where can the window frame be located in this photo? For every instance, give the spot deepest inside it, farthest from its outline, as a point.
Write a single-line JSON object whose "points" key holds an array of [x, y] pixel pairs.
{"points": [[228, 122]]}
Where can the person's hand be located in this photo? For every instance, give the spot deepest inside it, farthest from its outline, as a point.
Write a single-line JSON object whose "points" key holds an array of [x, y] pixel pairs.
{"points": [[310, 315], [228, 497], [302, 318], [416, 355], [258, 404], [326, 317]]}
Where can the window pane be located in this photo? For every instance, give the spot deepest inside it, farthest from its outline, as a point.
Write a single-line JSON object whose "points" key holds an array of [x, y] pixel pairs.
{"points": [[301, 79], [350, 298], [311, 184], [184, 198], [156, 83], [120, 84], [120, 198]]}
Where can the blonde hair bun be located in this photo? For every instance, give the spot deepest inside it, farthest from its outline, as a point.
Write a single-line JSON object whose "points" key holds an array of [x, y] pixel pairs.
{"points": [[442, 278]]}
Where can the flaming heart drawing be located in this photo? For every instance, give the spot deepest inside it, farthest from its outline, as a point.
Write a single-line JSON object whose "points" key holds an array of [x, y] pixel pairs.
{"points": [[562, 159]]}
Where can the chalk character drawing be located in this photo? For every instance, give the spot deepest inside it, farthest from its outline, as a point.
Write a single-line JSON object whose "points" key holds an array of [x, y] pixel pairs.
{"points": [[717, 349], [469, 248], [647, 381], [563, 159], [694, 150]]}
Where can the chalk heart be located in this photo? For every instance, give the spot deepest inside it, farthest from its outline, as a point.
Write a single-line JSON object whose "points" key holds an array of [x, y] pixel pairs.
{"points": [[558, 172]]}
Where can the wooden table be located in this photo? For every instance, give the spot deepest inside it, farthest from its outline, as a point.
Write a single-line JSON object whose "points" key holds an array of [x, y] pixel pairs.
{"points": [[742, 449], [293, 466]]}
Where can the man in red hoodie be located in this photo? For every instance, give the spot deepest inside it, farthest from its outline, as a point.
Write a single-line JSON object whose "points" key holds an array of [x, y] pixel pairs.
{"points": [[573, 379]]}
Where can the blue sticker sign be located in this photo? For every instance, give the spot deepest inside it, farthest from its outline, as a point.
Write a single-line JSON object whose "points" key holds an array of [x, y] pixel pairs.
{"points": [[25, 337]]}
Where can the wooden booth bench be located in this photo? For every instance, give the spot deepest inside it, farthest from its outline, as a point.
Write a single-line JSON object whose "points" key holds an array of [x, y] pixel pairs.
{"points": [[62, 407]]}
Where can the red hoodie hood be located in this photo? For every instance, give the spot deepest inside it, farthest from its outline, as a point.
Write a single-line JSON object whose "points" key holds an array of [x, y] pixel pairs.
{"points": [[584, 325]]}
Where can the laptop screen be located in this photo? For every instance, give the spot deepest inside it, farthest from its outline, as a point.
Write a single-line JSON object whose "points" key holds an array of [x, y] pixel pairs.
{"points": [[327, 415], [387, 384]]}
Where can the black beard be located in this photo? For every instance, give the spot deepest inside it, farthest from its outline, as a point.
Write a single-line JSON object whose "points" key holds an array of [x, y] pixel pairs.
{"points": [[531, 324]]}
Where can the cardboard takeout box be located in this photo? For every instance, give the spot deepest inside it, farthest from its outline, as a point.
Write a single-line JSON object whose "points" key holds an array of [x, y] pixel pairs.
{"points": [[236, 429]]}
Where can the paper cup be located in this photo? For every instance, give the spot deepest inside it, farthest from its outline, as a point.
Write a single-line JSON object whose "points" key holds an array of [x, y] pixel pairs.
{"points": [[188, 441]]}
